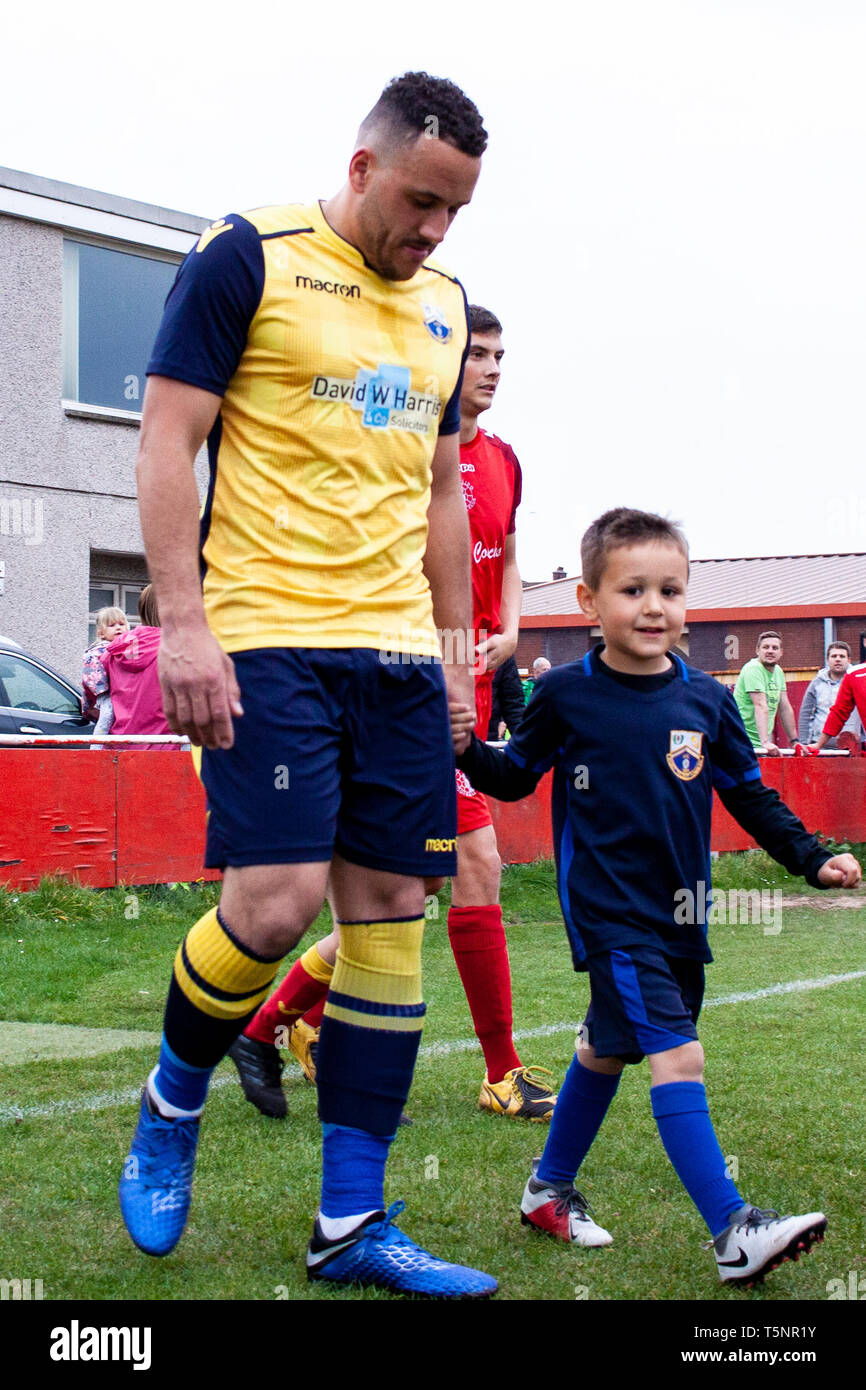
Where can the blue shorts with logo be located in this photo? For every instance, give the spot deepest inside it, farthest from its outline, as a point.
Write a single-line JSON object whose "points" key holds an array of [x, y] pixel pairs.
{"points": [[642, 1001], [336, 752]]}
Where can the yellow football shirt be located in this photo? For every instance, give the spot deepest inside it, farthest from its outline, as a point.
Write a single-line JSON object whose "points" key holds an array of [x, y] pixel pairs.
{"points": [[335, 385]]}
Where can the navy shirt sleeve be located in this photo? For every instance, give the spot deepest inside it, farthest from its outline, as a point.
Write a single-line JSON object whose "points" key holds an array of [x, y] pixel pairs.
{"points": [[535, 744], [210, 307], [759, 809], [531, 752]]}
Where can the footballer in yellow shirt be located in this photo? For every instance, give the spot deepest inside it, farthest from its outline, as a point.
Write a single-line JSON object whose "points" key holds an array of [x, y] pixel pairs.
{"points": [[319, 352]]}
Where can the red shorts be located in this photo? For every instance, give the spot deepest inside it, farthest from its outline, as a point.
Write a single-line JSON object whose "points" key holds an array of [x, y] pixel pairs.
{"points": [[472, 809]]}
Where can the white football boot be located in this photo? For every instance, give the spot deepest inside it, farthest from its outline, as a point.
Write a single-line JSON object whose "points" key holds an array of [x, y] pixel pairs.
{"points": [[757, 1241]]}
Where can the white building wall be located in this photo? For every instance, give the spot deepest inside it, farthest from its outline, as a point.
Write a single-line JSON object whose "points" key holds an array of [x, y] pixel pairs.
{"points": [[67, 485]]}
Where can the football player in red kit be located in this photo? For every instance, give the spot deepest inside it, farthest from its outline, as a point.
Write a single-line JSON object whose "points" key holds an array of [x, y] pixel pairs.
{"points": [[491, 489]]}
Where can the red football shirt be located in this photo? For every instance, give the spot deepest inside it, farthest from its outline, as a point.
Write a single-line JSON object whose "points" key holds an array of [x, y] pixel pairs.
{"points": [[492, 485]]}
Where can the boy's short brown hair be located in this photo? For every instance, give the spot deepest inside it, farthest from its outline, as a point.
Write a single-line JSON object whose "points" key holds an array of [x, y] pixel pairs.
{"points": [[624, 526]]}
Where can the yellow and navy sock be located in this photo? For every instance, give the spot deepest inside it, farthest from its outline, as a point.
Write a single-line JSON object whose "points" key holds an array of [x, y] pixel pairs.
{"points": [[369, 1041], [217, 985], [683, 1118]]}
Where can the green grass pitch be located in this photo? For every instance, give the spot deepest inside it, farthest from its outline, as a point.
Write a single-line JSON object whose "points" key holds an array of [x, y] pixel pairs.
{"points": [[86, 972]]}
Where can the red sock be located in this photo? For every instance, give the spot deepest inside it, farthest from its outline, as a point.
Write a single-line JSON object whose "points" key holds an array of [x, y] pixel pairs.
{"points": [[477, 939], [313, 1016], [305, 985]]}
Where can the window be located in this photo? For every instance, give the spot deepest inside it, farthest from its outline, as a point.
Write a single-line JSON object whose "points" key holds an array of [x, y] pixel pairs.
{"points": [[107, 595], [26, 687], [112, 305]]}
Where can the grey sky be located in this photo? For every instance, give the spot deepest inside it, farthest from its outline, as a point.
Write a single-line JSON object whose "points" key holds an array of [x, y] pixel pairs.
{"points": [[670, 220]]}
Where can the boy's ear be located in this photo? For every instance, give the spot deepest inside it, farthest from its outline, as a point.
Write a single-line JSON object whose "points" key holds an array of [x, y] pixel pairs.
{"points": [[586, 599]]}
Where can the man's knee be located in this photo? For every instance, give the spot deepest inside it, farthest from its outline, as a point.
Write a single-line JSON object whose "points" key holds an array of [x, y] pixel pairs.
{"points": [[479, 869], [269, 907]]}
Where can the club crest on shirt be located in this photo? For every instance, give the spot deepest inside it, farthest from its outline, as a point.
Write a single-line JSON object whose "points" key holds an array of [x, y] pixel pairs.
{"points": [[685, 758], [436, 323]]}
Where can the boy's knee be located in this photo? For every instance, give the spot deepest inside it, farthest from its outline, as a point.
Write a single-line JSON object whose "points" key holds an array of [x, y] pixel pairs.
{"points": [[684, 1063], [603, 1066]]}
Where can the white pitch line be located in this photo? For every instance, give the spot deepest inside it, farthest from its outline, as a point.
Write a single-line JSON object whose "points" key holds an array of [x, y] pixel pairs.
{"points": [[792, 987], [109, 1100]]}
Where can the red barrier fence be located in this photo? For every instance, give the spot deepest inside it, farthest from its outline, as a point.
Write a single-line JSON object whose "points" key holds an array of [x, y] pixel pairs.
{"points": [[129, 817]]}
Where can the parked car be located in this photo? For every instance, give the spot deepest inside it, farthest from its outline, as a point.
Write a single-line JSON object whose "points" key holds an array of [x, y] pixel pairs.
{"points": [[36, 699]]}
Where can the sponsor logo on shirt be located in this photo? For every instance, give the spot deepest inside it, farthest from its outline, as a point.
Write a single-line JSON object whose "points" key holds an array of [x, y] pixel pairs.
{"points": [[439, 846], [383, 398], [481, 552], [685, 758], [436, 323], [467, 468], [303, 282]]}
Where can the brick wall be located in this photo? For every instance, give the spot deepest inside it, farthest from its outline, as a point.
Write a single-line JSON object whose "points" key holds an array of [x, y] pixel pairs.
{"points": [[723, 646]]}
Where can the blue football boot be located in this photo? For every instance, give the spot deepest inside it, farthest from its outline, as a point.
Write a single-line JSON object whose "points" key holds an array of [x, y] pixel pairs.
{"points": [[156, 1185], [379, 1254]]}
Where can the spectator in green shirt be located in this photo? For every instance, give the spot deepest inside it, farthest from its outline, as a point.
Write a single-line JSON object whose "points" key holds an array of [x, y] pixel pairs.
{"points": [[760, 695], [540, 667]]}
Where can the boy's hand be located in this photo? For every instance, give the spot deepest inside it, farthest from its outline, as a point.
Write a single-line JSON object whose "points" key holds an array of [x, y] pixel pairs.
{"points": [[462, 724], [842, 871]]}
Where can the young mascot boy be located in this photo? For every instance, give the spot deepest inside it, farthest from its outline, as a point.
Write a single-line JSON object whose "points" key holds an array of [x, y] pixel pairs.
{"points": [[639, 741]]}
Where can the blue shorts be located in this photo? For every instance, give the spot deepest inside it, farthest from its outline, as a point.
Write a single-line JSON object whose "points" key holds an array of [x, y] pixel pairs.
{"points": [[335, 752], [642, 1001]]}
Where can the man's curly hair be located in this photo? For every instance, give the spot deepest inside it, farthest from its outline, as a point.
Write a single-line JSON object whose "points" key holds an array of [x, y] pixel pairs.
{"points": [[417, 103]]}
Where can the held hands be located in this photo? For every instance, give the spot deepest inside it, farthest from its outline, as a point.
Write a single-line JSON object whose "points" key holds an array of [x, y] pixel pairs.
{"points": [[200, 693], [842, 871], [462, 723]]}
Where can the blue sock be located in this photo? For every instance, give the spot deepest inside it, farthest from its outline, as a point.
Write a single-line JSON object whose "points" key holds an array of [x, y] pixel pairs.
{"points": [[683, 1117], [353, 1170], [179, 1083], [580, 1108]]}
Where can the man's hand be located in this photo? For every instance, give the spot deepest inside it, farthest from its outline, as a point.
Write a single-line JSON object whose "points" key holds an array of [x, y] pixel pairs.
{"points": [[843, 871], [495, 650], [462, 723], [771, 750], [200, 693], [461, 704]]}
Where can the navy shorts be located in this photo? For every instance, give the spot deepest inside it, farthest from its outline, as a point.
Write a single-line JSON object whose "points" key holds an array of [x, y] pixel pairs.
{"points": [[336, 751], [642, 1001]]}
